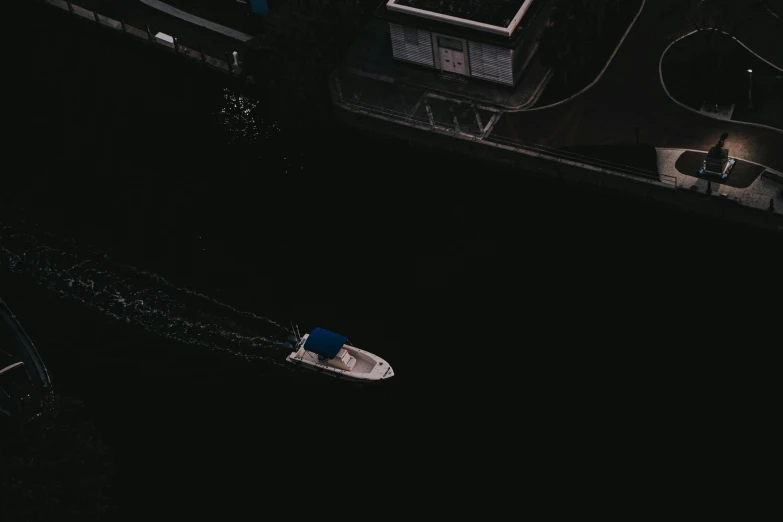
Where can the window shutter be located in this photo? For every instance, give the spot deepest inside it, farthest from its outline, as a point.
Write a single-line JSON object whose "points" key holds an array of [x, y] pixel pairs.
{"points": [[412, 44], [491, 63]]}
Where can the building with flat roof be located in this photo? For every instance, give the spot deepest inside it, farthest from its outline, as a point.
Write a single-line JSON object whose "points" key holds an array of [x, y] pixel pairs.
{"points": [[493, 41]]}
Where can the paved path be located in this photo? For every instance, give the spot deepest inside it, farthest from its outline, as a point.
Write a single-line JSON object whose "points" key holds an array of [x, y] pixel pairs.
{"points": [[212, 26], [756, 195], [630, 95]]}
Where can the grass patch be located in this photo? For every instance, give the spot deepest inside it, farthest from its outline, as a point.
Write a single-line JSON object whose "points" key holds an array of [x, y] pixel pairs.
{"points": [[615, 26], [688, 78]]}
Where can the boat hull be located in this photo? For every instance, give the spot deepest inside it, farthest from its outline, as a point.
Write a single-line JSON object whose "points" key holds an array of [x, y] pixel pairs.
{"points": [[337, 375], [333, 372], [376, 369]]}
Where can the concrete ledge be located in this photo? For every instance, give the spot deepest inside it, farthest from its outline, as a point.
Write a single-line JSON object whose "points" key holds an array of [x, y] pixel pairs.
{"points": [[109, 22], [58, 3], [539, 164], [774, 176], [81, 11], [135, 31], [724, 111], [190, 53]]}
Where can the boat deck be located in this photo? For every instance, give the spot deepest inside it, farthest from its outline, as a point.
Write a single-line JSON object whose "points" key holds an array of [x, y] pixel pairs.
{"points": [[363, 365]]}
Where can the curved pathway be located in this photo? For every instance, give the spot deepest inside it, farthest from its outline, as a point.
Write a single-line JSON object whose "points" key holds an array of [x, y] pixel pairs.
{"points": [[663, 83], [597, 78], [630, 95], [772, 12]]}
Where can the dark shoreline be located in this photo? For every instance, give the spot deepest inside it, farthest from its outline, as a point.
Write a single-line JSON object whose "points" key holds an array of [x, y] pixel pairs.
{"points": [[604, 185]]}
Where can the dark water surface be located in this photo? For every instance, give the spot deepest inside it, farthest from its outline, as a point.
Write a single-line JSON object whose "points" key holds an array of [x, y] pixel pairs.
{"points": [[155, 261], [156, 242]]}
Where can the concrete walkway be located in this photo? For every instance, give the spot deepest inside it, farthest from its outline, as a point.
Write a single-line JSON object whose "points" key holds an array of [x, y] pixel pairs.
{"points": [[212, 26], [757, 195]]}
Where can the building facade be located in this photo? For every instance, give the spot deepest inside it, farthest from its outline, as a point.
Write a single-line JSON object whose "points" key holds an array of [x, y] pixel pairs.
{"points": [[493, 41]]}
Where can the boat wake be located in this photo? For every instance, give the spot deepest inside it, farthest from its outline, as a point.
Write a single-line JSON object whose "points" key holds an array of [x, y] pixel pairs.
{"points": [[134, 296]]}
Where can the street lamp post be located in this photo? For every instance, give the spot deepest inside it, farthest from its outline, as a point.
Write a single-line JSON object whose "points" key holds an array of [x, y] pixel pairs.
{"points": [[750, 86]]}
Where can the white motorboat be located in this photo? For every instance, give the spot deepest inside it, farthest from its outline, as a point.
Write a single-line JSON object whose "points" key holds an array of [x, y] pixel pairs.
{"points": [[328, 352]]}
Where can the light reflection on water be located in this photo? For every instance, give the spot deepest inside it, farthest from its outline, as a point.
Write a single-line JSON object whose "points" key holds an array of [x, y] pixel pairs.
{"points": [[128, 294], [238, 117]]}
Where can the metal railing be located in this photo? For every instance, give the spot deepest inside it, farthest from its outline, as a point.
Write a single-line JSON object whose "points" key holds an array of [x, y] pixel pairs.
{"points": [[604, 165], [542, 151], [146, 34]]}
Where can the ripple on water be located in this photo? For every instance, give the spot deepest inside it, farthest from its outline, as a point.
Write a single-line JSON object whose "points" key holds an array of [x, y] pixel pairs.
{"points": [[135, 296]]}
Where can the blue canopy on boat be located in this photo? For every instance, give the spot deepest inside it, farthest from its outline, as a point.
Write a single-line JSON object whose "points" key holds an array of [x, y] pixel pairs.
{"points": [[323, 342], [259, 7]]}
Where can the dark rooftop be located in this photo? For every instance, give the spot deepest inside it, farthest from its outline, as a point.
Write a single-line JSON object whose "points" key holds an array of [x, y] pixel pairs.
{"points": [[495, 12]]}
